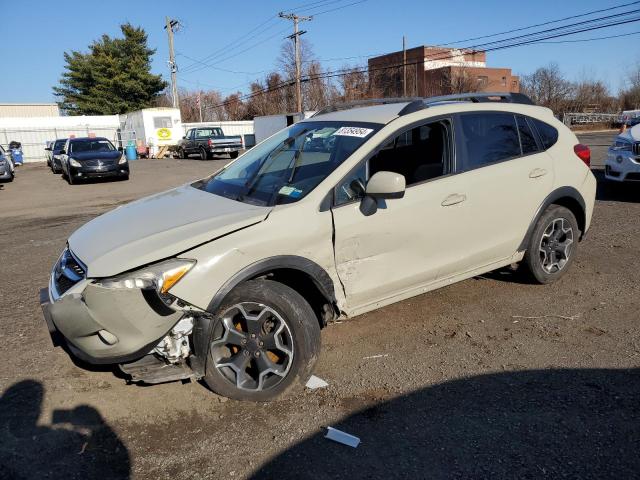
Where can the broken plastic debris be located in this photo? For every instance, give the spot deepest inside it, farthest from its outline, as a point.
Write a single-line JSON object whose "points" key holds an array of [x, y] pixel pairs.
{"points": [[342, 437], [316, 382], [375, 356]]}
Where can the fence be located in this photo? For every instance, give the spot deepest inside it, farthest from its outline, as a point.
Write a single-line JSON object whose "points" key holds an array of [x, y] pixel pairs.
{"points": [[34, 132], [587, 118], [242, 128]]}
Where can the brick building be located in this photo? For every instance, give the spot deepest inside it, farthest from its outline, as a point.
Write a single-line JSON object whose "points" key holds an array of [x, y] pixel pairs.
{"points": [[438, 71]]}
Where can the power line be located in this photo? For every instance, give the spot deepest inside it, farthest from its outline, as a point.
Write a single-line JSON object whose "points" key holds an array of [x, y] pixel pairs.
{"points": [[541, 24], [548, 35], [596, 38]]}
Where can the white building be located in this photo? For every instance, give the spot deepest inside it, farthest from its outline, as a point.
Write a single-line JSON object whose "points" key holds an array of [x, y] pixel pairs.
{"points": [[29, 110]]}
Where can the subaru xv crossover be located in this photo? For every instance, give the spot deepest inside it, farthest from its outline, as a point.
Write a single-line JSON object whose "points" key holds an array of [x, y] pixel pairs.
{"points": [[231, 278]]}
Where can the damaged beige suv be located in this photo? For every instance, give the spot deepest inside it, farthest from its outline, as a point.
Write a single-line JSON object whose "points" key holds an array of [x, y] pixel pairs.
{"points": [[231, 278]]}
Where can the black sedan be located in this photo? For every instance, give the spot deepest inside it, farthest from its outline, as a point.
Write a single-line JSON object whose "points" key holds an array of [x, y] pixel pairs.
{"points": [[92, 157]]}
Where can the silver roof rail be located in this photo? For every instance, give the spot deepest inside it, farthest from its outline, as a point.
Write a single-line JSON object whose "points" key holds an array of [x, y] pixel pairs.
{"points": [[368, 102]]}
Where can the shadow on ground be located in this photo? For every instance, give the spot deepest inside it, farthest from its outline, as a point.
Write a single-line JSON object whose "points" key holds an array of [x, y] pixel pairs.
{"points": [[77, 444], [531, 424]]}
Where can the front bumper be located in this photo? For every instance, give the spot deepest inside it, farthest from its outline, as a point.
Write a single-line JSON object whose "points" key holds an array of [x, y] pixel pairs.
{"points": [[117, 170], [104, 326], [622, 166]]}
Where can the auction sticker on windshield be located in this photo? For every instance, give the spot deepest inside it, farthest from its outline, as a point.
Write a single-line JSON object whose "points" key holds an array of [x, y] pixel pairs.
{"points": [[359, 132]]}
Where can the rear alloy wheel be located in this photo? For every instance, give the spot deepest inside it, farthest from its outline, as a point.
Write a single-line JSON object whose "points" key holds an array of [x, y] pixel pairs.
{"points": [[553, 245], [265, 340]]}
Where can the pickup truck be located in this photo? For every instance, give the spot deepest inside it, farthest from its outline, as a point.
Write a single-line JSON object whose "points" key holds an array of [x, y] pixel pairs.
{"points": [[207, 141]]}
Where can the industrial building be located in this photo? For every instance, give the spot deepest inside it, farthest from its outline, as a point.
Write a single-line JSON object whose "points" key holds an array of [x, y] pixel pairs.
{"points": [[431, 71], [29, 110]]}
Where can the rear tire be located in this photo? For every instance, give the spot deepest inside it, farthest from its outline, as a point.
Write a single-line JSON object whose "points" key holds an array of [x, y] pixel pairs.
{"points": [[233, 155], [265, 340], [203, 154], [553, 245]]}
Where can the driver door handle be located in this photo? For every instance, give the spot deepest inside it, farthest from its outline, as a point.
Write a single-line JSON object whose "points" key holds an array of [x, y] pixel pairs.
{"points": [[537, 172], [453, 199]]}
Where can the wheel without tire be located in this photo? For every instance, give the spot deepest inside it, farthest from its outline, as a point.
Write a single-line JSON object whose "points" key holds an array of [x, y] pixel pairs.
{"points": [[265, 340], [553, 245]]}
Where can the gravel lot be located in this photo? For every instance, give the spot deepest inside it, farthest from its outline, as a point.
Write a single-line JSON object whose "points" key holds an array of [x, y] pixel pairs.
{"points": [[488, 378]]}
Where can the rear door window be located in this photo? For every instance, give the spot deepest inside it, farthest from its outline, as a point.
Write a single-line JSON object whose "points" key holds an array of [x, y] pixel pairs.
{"points": [[548, 134], [488, 137]]}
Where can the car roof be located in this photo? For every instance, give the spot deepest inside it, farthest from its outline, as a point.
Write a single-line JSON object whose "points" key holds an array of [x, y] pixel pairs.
{"points": [[373, 114]]}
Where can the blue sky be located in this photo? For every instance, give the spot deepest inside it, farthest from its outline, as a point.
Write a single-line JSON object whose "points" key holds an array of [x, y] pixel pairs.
{"points": [[36, 33]]}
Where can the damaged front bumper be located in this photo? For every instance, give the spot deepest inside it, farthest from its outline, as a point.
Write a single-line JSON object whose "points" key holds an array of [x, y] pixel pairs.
{"points": [[105, 326]]}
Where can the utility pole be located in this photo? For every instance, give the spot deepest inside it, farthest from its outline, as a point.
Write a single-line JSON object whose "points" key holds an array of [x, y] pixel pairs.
{"points": [[169, 26], [200, 103], [296, 43], [404, 67]]}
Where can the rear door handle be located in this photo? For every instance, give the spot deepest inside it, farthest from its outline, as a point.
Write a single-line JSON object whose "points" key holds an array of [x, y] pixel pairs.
{"points": [[453, 199], [537, 172]]}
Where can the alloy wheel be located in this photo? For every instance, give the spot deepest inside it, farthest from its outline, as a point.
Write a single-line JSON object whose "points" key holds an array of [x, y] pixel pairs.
{"points": [[253, 349], [555, 245]]}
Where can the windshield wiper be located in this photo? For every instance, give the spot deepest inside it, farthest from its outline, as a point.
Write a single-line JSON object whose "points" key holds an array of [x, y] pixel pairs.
{"points": [[251, 182]]}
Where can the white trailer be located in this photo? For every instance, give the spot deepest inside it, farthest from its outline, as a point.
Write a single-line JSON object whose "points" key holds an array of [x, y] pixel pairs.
{"points": [[267, 125], [152, 127]]}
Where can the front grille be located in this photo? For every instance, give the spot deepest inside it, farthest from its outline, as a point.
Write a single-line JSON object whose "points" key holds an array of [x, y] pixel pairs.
{"points": [[98, 163], [632, 176], [68, 271], [636, 148]]}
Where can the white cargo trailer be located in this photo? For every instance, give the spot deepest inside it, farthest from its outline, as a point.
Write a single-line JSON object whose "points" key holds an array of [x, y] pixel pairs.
{"points": [[267, 125], [152, 127]]}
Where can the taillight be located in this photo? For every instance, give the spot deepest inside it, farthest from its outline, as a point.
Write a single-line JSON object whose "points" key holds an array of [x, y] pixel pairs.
{"points": [[209, 142], [584, 153]]}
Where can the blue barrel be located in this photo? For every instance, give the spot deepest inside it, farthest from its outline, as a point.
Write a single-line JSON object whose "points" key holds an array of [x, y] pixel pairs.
{"points": [[130, 152]]}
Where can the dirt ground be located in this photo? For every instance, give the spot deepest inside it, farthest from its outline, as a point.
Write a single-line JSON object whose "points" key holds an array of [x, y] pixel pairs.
{"points": [[488, 378]]}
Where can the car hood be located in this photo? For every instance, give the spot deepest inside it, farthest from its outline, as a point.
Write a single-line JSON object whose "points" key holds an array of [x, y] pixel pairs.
{"points": [[157, 227], [113, 154], [634, 133]]}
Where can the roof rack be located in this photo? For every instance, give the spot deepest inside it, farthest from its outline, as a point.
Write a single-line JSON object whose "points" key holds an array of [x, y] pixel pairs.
{"points": [[366, 103], [415, 104], [477, 97]]}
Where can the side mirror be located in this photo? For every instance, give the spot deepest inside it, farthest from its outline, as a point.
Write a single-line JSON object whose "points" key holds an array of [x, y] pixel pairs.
{"points": [[47, 148], [120, 149], [386, 185], [62, 152], [381, 185]]}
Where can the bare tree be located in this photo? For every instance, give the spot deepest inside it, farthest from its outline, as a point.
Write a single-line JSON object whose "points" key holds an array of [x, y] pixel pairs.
{"points": [[547, 86], [630, 96]]}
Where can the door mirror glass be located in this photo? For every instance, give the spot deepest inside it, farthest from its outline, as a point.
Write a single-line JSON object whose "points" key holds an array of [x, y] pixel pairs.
{"points": [[386, 185]]}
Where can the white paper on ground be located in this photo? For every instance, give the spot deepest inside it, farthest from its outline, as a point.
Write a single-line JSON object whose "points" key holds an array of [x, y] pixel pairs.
{"points": [[342, 437], [316, 382]]}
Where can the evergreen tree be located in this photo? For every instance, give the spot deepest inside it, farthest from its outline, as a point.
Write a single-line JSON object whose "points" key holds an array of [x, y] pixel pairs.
{"points": [[113, 77]]}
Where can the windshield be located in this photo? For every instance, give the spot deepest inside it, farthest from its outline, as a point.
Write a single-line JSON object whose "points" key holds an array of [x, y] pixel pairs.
{"points": [[59, 144], [96, 145], [287, 166]]}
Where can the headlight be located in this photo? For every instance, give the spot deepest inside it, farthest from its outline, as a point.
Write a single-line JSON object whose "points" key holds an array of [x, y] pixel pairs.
{"points": [[123, 159], [621, 146], [160, 277], [74, 163]]}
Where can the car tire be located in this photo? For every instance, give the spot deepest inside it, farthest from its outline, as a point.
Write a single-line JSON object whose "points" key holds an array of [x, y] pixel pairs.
{"points": [[70, 179], [203, 154], [233, 155], [553, 245], [264, 341], [182, 153]]}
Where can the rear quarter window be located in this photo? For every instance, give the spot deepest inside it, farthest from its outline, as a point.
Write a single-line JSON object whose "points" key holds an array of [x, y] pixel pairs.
{"points": [[548, 134]]}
